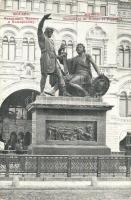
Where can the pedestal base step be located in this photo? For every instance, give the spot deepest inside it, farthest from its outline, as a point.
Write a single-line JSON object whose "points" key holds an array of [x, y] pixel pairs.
{"points": [[69, 150]]}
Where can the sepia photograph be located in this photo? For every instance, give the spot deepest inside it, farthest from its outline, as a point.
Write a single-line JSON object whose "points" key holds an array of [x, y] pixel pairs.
{"points": [[65, 99]]}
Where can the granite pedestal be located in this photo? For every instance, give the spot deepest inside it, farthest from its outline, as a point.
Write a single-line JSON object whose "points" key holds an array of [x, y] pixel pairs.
{"points": [[69, 126]]}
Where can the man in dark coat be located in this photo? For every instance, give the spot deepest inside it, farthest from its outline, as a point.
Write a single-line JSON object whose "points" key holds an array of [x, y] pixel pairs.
{"points": [[48, 61]]}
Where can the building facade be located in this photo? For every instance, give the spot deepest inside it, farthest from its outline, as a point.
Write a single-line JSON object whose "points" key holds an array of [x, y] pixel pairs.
{"points": [[104, 27]]}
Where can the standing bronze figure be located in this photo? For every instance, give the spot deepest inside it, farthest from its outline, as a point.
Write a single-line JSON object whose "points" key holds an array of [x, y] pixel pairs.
{"points": [[48, 61]]}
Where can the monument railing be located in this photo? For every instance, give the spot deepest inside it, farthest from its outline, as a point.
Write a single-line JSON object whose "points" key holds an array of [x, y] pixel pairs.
{"points": [[64, 166]]}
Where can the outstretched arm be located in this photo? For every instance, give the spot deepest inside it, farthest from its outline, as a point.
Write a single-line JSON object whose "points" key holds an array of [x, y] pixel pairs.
{"points": [[94, 65], [41, 23]]}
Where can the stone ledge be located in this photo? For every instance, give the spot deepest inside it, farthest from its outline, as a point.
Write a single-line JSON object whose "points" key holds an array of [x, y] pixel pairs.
{"points": [[69, 150], [72, 103], [66, 185]]}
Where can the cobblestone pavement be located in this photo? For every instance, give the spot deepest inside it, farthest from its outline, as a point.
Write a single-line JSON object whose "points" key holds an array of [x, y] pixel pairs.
{"points": [[89, 194]]}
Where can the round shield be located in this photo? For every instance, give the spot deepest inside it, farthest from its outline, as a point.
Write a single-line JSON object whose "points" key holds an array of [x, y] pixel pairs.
{"points": [[100, 85]]}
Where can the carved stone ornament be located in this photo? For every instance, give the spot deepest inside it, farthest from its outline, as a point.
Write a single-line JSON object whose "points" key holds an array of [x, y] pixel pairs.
{"points": [[72, 133]]}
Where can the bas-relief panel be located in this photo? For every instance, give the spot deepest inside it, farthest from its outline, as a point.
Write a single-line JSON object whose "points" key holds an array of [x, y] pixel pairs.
{"points": [[71, 130]]}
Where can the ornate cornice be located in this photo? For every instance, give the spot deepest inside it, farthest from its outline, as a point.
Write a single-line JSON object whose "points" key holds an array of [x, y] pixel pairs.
{"points": [[125, 5], [69, 103]]}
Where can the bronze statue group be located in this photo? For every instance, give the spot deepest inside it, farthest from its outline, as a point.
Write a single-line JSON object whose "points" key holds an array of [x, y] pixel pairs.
{"points": [[76, 78]]}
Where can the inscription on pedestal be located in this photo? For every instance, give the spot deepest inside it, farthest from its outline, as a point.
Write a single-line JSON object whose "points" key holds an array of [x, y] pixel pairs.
{"points": [[71, 130]]}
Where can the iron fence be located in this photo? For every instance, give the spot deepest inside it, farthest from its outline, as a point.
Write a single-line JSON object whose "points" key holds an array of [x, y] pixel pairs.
{"points": [[63, 165]]}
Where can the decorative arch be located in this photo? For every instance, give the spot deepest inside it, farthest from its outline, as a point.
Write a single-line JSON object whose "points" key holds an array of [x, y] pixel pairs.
{"points": [[68, 37], [96, 39], [28, 46], [28, 34], [74, 32], [124, 95], [9, 33], [65, 34], [124, 84], [123, 104], [69, 43], [21, 85], [9, 46], [96, 32], [124, 53], [28, 29], [9, 28], [68, 33], [124, 37], [125, 42]]}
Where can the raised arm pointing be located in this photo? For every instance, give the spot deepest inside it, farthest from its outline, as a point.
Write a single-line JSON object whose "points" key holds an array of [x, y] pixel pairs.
{"points": [[41, 23]]}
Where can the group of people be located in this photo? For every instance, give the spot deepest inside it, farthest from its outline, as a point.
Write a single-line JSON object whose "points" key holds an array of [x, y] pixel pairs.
{"points": [[17, 142], [77, 73]]}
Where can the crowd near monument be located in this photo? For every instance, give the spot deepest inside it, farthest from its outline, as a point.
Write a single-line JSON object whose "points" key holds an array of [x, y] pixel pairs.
{"points": [[74, 121]]}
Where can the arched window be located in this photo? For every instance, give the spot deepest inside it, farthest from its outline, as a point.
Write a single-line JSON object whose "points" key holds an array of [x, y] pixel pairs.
{"points": [[25, 49], [28, 49], [69, 46], [5, 46], [12, 48], [125, 56], [31, 49], [64, 42], [121, 55], [123, 104], [9, 48], [129, 105]]}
